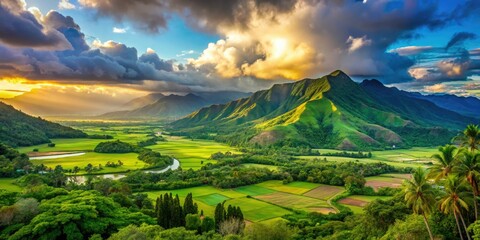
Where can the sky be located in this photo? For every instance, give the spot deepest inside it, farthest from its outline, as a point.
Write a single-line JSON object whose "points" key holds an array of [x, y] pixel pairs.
{"points": [[121, 49]]}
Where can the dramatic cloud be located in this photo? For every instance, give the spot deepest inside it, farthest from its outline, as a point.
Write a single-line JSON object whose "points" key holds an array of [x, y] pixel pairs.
{"points": [[65, 4], [357, 43], [119, 30], [20, 28], [258, 40], [411, 50], [459, 38]]}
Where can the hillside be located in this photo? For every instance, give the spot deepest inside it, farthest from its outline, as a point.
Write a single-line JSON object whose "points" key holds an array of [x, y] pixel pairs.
{"points": [[468, 106], [332, 111], [173, 106], [20, 129], [142, 101]]}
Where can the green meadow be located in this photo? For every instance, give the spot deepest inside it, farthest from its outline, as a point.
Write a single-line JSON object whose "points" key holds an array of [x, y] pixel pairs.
{"points": [[191, 153], [9, 185]]}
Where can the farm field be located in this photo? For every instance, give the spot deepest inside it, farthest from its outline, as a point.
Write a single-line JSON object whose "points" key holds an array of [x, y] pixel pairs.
{"points": [[413, 157], [386, 180], [191, 153], [8, 184], [357, 202], [129, 160], [259, 202]]}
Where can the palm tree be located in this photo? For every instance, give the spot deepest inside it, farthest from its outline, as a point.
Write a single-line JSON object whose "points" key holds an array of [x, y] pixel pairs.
{"points": [[468, 166], [470, 137], [419, 195], [456, 197], [445, 161]]}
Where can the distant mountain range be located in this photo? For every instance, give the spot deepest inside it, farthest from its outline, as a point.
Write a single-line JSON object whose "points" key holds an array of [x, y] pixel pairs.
{"points": [[171, 107], [335, 112], [20, 129]]}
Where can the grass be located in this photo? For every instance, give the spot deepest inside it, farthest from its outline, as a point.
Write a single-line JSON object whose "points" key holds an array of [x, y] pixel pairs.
{"points": [[414, 157], [191, 153], [324, 192], [130, 162], [355, 202], [294, 187], [294, 201], [65, 145], [255, 165], [212, 199], [207, 197], [8, 184], [255, 210], [253, 190]]}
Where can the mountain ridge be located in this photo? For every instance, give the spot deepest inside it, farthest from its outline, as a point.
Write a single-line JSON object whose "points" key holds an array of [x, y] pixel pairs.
{"points": [[331, 111], [20, 129]]}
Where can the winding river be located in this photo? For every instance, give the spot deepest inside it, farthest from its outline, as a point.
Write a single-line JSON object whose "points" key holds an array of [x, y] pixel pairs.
{"points": [[115, 176], [57, 156]]}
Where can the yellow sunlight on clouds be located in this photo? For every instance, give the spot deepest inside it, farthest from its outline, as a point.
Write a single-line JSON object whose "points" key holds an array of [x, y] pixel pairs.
{"points": [[13, 87]]}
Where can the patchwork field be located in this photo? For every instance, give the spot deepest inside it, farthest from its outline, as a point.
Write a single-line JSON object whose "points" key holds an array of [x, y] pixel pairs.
{"points": [[324, 192], [386, 180], [260, 202], [208, 197], [357, 202]]}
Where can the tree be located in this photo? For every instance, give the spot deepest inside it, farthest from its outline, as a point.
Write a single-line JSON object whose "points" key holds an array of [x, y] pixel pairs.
{"points": [[192, 222], [188, 206], [455, 198], [219, 215], [79, 215], [411, 229], [470, 137], [208, 224], [231, 226], [419, 195], [468, 166], [445, 161]]}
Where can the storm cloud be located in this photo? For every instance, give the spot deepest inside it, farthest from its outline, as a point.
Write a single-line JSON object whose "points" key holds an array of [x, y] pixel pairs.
{"points": [[20, 28]]}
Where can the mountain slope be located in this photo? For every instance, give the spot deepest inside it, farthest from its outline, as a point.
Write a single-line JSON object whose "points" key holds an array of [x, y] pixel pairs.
{"points": [[422, 110], [468, 106], [20, 129], [173, 106], [143, 101], [332, 111]]}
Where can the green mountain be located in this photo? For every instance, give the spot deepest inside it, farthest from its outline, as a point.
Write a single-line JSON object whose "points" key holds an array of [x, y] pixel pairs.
{"points": [[20, 129], [173, 106], [332, 111]]}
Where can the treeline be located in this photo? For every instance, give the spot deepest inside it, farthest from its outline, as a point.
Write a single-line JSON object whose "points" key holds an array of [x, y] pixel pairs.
{"points": [[20, 129], [151, 141], [114, 147], [13, 163], [347, 154]]}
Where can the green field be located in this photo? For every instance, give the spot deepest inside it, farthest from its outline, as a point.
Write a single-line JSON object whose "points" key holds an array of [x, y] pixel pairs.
{"points": [[207, 197], [8, 184], [262, 201], [357, 202], [191, 153], [254, 165], [130, 162], [294, 187], [65, 145], [413, 157]]}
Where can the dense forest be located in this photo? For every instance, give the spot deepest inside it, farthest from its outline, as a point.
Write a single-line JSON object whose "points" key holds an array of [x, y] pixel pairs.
{"points": [[20, 129]]}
